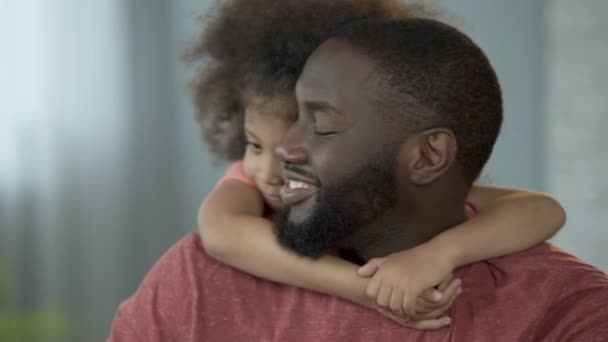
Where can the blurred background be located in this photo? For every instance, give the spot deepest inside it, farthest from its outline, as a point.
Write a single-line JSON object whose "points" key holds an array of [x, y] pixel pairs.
{"points": [[101, 167]]}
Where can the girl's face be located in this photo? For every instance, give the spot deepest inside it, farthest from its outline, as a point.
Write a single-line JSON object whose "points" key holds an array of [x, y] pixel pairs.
{"points": [[266, 122]]}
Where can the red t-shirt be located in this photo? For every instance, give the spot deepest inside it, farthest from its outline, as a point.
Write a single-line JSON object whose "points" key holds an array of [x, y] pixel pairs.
{"points": [[543, 294]]}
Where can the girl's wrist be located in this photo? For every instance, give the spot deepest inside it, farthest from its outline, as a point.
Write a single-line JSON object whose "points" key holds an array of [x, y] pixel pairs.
{"points": [[447, 250]]}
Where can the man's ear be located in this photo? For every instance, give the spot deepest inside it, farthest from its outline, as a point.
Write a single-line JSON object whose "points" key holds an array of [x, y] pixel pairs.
{"points": [[429, 154]]}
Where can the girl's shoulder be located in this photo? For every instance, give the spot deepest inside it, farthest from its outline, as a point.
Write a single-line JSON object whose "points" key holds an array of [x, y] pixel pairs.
{"points": [[236, 172]]}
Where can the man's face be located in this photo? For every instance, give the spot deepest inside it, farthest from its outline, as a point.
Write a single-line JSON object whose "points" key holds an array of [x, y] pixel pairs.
{"points": [[340, 162]]}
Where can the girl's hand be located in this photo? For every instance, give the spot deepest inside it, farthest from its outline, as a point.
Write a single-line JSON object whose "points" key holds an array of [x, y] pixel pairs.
{"points": [[403, 284], [433, 317]]}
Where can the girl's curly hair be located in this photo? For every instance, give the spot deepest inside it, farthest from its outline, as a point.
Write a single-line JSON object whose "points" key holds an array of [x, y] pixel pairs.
{"points": [[259, 47]]}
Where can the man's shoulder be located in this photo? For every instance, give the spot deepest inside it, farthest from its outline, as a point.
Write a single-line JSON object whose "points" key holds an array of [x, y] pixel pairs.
{"points": [[165, 295], [550, 260], [541, 294], [575, 294], [561, 267], [179, 263], [181, 254], [547, 265]]}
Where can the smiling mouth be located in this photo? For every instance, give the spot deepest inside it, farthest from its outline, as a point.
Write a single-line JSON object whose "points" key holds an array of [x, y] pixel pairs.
{"points": [[297, 191]]}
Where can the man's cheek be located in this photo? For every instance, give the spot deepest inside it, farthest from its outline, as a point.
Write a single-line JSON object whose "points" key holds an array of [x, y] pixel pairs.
{"points": [[333, 165], [327, 164]]}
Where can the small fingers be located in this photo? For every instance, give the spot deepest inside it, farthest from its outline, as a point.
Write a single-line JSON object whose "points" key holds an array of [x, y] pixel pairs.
{"points": [[429, 324], [396, 303], [426, 309], [452, 291], [409, 307], [432, 295], [370, 268], [441, 311], [423, 308], [399, 320], [384, 297], [444, 284], [373, 288], [447, 294]]}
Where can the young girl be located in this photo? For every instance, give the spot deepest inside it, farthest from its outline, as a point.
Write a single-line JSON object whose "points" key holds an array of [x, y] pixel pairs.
{"points": [[246, 91]]}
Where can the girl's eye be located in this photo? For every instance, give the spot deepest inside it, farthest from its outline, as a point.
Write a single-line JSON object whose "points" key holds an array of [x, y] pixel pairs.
{"points": [[254, 147]]}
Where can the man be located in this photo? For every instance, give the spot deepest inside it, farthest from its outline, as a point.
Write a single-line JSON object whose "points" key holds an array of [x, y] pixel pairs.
{"points": [[396, 120]]}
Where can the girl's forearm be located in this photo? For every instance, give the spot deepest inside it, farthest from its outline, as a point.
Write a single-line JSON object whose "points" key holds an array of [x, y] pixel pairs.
{"points": [[249, 244], [505, 226]]}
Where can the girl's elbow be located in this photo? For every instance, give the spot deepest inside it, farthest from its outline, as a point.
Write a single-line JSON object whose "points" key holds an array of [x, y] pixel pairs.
{"points": [[213, 243], [561, 215], [555, 210]]}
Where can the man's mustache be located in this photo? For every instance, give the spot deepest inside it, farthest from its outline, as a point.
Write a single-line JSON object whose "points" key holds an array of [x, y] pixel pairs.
{"points": [[292, 168]]}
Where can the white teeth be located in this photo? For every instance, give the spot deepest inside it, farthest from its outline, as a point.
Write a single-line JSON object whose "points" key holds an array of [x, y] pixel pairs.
{"points": [[298, 185]]}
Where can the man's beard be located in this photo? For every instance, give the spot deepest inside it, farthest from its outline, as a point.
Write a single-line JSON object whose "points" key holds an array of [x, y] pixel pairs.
{"points": [[340, 210]]}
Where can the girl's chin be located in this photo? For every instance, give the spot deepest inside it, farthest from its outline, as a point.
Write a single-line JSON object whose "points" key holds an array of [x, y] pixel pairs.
{"points": [[274, 202]]}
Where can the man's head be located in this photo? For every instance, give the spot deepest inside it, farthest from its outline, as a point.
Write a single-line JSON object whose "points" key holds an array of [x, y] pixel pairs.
{"points": [[392, 116]]}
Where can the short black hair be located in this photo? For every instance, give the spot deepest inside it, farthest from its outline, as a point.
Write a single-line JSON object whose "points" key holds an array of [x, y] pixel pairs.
{"points": [[434, 76], [260, 47]]}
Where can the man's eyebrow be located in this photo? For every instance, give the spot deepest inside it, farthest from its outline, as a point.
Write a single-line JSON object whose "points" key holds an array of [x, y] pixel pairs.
{"points": [[319, 106]]}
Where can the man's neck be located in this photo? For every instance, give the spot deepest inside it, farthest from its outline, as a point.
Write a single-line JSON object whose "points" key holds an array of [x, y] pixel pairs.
{"points": [[407, 226]]}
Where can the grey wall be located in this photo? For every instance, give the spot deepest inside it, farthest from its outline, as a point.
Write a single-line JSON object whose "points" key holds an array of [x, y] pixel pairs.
{"points": [[551, 58], [198, 171], [106, 170], [510, 32], [576, 123]]}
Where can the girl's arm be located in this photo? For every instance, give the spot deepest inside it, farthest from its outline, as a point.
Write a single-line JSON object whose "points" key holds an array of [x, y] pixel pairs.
{"points": [[509, 221]]}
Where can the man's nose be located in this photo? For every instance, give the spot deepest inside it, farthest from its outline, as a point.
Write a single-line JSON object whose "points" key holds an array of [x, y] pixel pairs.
{"points": [[292, 149]]}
